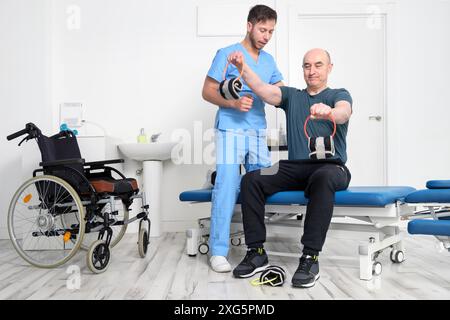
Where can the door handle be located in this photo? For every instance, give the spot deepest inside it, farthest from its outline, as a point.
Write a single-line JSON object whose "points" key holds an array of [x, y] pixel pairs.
{"points": [[377, 118]]}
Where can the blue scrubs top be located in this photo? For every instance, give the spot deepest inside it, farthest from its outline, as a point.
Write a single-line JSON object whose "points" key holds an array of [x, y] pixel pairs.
{"points": [[265, 68]]}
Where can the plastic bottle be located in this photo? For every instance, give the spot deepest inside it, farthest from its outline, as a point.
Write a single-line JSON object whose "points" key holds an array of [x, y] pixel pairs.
{"points": [[142, 137]]}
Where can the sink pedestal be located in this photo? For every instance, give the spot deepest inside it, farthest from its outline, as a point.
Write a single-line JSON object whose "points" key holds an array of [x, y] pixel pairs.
{"points": [[149, 157], [151, 181]]}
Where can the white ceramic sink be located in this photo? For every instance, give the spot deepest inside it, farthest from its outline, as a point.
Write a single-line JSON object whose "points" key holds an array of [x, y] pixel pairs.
{"points": [[150, 157], [154, 151]]}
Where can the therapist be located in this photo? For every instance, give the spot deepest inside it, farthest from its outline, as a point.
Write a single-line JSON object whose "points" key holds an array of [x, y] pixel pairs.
{"points": [[240, 136], [320, 179]]}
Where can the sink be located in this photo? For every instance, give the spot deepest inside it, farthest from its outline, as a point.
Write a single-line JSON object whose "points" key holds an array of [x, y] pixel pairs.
{"points": [[154, 151], [147, 168]]}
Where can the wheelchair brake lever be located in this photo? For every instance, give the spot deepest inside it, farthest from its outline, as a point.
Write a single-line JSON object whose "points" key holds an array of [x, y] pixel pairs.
{"points": [[24, 139]]}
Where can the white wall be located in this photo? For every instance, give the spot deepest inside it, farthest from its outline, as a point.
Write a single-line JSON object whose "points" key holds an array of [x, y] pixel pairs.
{"points": [[140, 64], [24, 85], [420, 149]]}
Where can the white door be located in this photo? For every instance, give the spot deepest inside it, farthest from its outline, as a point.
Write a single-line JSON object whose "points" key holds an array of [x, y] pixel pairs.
{"points": [[356, 39]]}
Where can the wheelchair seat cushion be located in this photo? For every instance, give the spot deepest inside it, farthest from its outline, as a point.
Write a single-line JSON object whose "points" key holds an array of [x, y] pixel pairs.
{"points": [[114, 186]]}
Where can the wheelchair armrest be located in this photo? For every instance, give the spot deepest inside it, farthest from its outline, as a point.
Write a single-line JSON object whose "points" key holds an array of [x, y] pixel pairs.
{"points": [[61, 162], [103, 163]]}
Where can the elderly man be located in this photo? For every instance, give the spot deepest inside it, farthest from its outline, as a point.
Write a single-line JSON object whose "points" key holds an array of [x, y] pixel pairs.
{"points": [[320, 179]]}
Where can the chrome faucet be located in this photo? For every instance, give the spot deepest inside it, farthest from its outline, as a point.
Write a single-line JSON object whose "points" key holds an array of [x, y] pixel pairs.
{"points": [[155, 137]]}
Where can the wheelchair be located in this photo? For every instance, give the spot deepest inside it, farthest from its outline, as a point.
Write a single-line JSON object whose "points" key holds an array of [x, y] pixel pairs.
{"points": [[69, 204]]}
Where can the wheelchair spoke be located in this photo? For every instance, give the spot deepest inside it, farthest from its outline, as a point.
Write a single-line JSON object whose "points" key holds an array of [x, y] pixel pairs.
{"points": [[62, 200], [40, 195], [25, 219], [36, 221], [47, 186]]}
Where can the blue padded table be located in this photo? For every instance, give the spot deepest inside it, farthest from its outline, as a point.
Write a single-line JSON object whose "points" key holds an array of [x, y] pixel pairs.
{"points": [[429, 196], [438, 184], [429, 227], [436, 194], [353, 196]]}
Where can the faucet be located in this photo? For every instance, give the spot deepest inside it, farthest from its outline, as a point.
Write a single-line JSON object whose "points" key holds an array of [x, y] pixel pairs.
{"points": [[155, 137]]}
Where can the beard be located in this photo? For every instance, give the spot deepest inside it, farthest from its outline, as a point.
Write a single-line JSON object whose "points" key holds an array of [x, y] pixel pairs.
{"points": [[254, 42]]}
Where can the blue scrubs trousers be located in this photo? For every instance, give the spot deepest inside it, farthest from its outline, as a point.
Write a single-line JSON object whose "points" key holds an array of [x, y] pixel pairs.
{"points": [[233, 148]]}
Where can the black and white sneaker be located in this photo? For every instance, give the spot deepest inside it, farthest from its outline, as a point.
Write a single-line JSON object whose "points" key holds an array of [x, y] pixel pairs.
{"points": [[307, 272], [255, 261]]}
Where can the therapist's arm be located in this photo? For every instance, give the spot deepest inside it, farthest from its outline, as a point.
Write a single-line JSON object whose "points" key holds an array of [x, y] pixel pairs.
{"points": [[269, 93], [211, 94]]}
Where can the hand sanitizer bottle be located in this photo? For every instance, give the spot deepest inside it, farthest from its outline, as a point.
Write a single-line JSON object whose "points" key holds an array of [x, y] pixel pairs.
{"points": [[142, 137]]}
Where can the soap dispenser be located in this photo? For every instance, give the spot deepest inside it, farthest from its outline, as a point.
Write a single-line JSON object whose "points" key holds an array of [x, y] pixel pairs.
{"points": [[142, 137]]}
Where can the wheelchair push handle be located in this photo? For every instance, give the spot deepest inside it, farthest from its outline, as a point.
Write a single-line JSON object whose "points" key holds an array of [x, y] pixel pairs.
{"points": [[30, 129], [17, 134]]}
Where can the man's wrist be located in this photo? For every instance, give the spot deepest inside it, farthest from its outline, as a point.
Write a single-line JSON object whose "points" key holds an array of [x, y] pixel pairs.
{"points": [[332, 113], [231, 104]]}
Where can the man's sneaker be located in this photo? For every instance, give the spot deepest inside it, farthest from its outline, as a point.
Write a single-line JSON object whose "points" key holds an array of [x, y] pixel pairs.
{"points": [[255, 261], [307, 272], [219, 264]]}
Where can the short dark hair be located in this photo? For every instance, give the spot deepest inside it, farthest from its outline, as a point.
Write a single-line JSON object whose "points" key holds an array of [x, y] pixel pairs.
{"points": [[261, 13]]}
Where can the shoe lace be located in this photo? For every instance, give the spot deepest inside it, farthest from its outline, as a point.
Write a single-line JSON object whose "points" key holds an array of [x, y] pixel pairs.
{"points": [[249, 255], [306, 263]]}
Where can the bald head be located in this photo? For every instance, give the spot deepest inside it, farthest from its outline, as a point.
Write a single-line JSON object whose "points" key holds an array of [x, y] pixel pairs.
{"points": [[317, 54], [316, 68]]}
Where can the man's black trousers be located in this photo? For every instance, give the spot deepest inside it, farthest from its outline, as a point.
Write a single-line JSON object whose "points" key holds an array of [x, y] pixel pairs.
{"points": [[319, 179]]}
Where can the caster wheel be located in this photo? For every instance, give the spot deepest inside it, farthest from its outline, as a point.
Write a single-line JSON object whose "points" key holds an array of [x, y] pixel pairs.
{"points": [[397, 256], [236, 241], [377, 268], [203, 248], [98, 256], [143, 242]]}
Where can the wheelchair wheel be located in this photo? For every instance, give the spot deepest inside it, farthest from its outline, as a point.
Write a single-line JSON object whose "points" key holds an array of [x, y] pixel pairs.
{"points": [[44, 221], [118, 231], [143, 242], [98, 256]]}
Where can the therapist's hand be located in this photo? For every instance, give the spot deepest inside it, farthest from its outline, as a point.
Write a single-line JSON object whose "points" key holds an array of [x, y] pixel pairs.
{"points": [[237, 58], [321, 111], [244, 104]]}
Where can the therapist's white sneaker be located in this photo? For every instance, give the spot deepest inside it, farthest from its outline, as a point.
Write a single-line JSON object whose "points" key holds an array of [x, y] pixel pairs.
{"points": [[219, 264]]}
